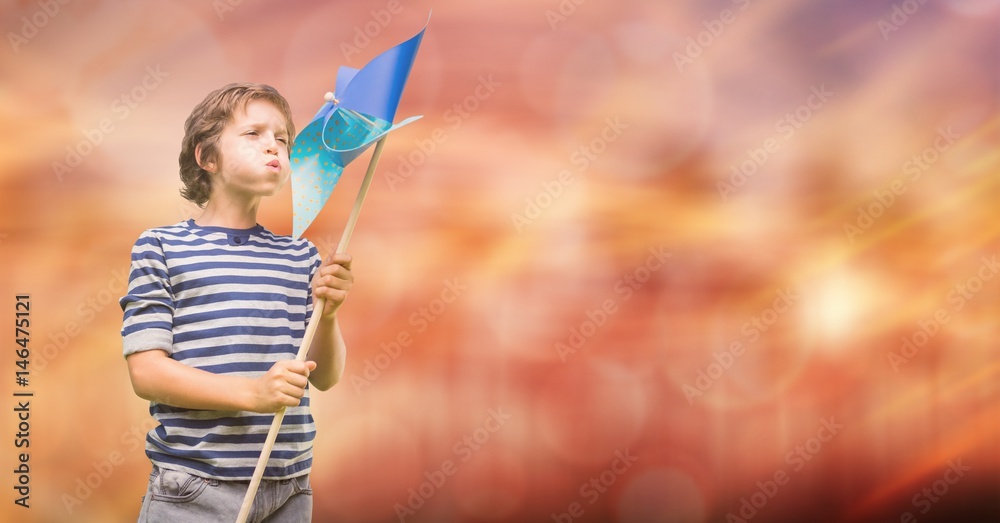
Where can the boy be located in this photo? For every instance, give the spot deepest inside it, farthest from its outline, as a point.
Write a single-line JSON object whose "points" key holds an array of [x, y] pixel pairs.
{"points": [[215, 311]]}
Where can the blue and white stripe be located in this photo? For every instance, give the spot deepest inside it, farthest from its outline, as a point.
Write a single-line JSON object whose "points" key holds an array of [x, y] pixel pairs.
{"points": [[227, 301]]}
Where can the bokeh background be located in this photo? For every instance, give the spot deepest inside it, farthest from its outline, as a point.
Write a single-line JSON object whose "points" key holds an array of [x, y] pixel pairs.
{"points": [[649, 261]]}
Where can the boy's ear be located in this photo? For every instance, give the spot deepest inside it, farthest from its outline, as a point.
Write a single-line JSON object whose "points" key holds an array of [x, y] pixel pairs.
{"points": [[208, 166]]}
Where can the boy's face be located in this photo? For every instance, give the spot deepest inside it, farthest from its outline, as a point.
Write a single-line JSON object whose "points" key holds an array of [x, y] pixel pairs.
{"points": [[253, 152]]}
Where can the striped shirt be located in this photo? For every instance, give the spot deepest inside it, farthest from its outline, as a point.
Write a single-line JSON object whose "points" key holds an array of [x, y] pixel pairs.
{"points": [[227, 301]]}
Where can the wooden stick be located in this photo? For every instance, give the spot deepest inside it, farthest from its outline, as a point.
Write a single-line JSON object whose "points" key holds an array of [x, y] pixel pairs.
{"points": [[362, 192], [314, 320]]}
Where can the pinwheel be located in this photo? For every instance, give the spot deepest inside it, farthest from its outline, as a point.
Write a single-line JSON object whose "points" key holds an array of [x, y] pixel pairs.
{"points": [[358, 113]]}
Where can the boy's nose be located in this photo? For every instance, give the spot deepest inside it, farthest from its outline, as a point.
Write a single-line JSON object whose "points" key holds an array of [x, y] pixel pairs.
{"points": [[271, 145]]}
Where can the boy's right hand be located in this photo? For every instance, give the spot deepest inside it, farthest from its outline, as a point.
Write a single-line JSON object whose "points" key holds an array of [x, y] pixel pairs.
{"points": [[283, 385]]}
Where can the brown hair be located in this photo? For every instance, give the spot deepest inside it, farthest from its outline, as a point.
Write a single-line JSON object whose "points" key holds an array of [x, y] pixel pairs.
{"points": [[205, 124]]}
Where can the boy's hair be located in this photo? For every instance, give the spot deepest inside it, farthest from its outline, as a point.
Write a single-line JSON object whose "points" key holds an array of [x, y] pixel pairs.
{"points": [[205, 124]]}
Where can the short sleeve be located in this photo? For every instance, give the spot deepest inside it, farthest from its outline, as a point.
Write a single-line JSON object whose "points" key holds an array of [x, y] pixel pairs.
{"points": [[314, 262], [149, 303]]}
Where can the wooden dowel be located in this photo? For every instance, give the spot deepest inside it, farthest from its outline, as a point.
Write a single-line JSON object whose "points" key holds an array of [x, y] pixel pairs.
{"points": [[318, 304]]}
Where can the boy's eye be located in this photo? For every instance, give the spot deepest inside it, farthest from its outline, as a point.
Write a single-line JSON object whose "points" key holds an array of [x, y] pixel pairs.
{"points": [[282, 139], [252, 132]]}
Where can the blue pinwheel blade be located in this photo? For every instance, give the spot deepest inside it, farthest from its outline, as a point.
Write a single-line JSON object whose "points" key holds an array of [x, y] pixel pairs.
{"points": [[320, 155], [344, 76], [376, 89], [365, 105]]}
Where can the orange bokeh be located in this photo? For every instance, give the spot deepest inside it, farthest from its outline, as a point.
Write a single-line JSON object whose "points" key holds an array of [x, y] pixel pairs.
{"points": [[690, 233]]}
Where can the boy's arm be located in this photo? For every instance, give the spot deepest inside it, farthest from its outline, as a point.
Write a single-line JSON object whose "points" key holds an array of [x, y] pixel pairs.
{"points": [[157, 377], [332, 283], [329, 352]]}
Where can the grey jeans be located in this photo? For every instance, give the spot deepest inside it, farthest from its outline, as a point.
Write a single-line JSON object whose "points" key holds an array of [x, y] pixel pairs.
{"points": [[174, 496]]}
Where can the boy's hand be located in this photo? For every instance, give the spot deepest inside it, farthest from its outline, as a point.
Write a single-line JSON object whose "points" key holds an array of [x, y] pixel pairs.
{"points": [[283, 385], [333, 282]]}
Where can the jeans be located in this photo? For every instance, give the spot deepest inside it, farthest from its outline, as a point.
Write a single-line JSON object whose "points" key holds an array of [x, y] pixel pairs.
{"points": [[174, 496]]}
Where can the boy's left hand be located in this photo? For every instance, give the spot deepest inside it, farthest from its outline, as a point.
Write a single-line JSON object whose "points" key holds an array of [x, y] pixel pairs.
{"points": [[333, 282]]}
